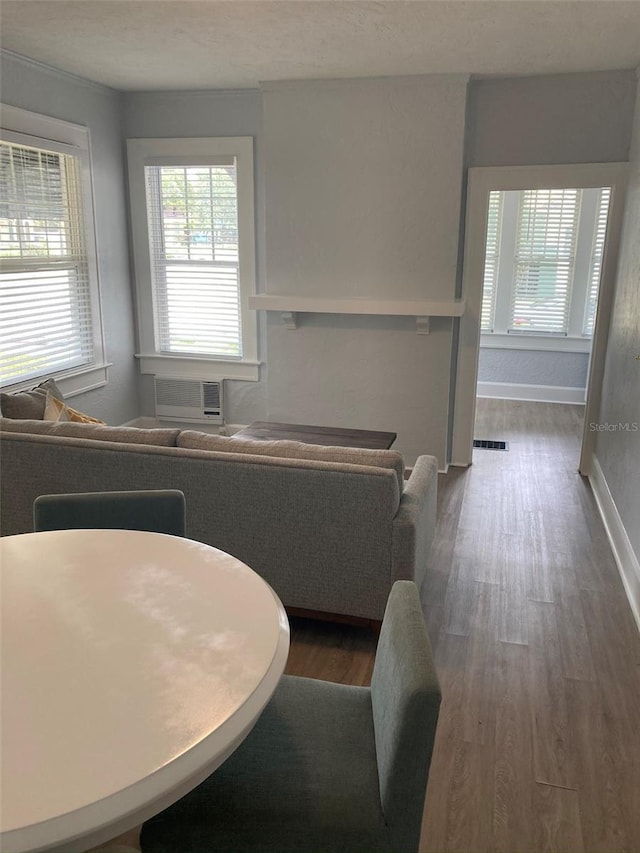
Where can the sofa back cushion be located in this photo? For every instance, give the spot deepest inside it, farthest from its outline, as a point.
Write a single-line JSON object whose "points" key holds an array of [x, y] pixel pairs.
{"points": [[296, 450], [96, 432]]}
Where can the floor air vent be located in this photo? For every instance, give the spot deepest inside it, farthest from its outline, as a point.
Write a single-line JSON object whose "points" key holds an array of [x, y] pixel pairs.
{"points": [[489, 444]]}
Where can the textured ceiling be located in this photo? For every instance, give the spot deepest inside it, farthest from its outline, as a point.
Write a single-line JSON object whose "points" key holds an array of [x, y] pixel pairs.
{"points": [[182, 44]]}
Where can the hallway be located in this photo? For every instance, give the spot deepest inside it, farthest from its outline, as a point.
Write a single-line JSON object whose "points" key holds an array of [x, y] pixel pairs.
{"points": [[537, 651], [538, 655]]}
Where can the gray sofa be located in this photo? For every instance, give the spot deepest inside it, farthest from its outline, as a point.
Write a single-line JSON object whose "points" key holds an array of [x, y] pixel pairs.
{"points": [[330, 529]]}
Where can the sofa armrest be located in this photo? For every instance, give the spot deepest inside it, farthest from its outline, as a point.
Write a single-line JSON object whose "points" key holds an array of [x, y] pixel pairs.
{"points": [[415, 522]]}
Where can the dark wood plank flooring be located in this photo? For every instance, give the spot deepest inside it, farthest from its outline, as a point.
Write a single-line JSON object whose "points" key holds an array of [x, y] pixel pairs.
{"points": [[538, 654]]}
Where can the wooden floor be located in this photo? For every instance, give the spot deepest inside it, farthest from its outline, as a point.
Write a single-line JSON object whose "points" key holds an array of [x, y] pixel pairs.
{"points": [[538, 745]]}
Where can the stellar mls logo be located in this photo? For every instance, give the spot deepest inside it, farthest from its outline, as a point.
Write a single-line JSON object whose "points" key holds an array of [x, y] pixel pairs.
{"points": [[619, 427]]}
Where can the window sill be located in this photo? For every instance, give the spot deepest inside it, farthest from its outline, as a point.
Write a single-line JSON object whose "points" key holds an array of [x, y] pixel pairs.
{"points": [[541, 343], [71, 384], [198, 367]]}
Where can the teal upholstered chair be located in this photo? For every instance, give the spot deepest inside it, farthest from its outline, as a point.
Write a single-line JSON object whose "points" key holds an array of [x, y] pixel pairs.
{"points": [[156, 510], [327, 767]]}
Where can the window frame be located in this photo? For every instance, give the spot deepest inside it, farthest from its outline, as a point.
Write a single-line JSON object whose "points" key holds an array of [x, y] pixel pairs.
{"points": [[575, 339], [187, 151], [47, 133]]}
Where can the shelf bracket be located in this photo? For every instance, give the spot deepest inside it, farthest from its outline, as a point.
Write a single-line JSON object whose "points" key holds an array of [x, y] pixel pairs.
{"points": [[289, 319], [422, 325]]}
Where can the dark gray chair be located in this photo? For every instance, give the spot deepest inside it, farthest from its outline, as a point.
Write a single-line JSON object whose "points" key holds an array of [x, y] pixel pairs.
{"points": [[159, 511], [328, 767]]}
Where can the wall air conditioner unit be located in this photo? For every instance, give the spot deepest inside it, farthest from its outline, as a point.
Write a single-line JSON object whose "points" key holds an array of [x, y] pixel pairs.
{"points": [[189, 400]]}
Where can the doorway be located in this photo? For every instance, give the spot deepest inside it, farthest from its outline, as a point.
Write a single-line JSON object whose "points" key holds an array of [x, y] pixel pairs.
{"points": [[540, 243]]}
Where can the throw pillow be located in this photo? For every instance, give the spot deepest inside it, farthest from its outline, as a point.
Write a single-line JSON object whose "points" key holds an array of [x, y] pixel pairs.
{"points": [[56, 410], [24, 405], [31, 404], [51, 386]]}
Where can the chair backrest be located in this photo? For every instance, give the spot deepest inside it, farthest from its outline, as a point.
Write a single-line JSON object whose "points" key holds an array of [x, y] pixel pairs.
{"points": [[158, 511], [405, 696]]}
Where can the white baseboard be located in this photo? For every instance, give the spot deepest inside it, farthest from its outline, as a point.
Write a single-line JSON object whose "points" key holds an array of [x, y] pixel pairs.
{"points": [[531, 393], [625, 558]]}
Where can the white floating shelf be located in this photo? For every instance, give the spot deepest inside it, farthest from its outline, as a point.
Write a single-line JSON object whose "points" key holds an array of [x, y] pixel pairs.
{"points": [[421, 309]]}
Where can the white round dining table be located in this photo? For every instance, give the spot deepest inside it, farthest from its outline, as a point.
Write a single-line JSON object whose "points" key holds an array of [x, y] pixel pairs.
{"points": [[133, 664]]}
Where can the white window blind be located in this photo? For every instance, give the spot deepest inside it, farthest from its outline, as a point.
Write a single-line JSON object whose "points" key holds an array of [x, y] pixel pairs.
{"points": [[596, 261], [492, 256], [193, 240], [544, 262], [45, 298]]}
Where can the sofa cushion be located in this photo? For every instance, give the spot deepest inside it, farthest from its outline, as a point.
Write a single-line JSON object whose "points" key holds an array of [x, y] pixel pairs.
{"points": [[29, 404], [296, 450], [95, 432]]}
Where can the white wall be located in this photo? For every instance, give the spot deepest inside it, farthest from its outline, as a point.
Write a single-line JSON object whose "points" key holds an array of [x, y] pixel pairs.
{"points": [[618, 450], [363, 184], [565, 118], [40, 89]]}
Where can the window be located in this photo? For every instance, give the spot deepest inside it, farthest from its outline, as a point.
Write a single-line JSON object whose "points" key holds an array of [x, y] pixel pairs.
{"points": [[492, 255], [596, 261], [49, 307], [543, 259], [192, 213]]}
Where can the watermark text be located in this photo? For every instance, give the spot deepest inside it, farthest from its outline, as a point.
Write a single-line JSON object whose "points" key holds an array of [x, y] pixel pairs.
{"points": [[621, 426]]}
